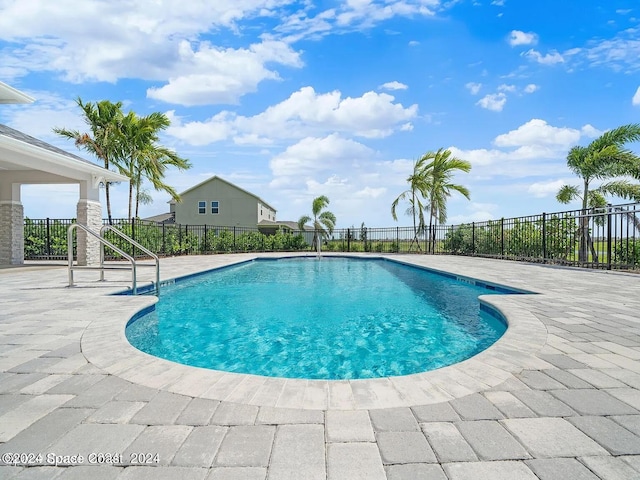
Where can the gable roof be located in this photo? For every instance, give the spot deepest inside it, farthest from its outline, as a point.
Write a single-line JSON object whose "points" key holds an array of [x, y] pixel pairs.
{"points": [[162, 218], [23, 137], [286, 223], [215, 177], [30, 153]]}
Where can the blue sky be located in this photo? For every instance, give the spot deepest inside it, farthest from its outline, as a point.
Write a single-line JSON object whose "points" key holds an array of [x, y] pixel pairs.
{"points": [[295, 99]]}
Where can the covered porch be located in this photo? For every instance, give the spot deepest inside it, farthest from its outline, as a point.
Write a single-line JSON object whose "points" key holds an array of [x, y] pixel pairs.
{"points": [[27, 160]]}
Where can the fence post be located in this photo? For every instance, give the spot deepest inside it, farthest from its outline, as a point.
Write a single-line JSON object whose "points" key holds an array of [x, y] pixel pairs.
{"points": [[48, 240], [234, 238], [348, 239], [133, 236], [451, 243], [544, 237], [502, 237], [397, 239], [427, 243], [473, 238], [164, 241], [609, 208], [204, 243]]}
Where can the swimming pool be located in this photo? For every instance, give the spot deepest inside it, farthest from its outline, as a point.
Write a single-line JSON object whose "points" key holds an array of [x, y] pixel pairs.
{"points": [[333, 318]]}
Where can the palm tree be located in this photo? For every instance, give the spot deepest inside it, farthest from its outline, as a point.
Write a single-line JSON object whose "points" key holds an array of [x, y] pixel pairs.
{"points": [[417, 189], [103, 119], [604, 158], [144, 158], [439, 168], [323, 221]]}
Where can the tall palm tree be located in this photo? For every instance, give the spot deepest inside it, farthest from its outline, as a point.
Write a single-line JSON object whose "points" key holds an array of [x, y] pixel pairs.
{"points": [[143, 158], [103, 119], [439, 169], [604, 158], [323, 221], [416, 192]]}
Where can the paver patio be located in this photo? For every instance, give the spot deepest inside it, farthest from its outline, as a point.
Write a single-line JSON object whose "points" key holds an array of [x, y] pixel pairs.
{"points": [[558, 397]]}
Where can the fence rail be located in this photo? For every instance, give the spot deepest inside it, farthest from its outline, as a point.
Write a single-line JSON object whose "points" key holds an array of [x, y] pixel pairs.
{"points": [[605, 238]]}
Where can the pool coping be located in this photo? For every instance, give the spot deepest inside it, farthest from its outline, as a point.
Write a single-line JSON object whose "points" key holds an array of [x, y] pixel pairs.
{"points": [[104, 344]]}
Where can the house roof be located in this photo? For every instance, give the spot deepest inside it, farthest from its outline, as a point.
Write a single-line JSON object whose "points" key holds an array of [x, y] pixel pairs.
{"points": [[11, 95], [169, 217], [215, 177], [287, 223], [29, 153]]}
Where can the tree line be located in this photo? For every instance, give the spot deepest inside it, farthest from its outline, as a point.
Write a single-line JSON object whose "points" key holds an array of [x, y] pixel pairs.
{"points": [[606, 159], [129, 143]]}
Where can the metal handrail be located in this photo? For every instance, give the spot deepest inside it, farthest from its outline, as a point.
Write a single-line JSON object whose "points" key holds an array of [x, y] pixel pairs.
{"points": [[135, 244], [103, 241]]}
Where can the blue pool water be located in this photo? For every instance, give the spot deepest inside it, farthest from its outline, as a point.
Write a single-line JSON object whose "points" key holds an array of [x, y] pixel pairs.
{"points": [[333, 318]]}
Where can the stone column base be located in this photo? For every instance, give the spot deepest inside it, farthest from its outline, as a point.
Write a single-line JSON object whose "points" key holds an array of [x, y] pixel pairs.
{"points": [[89, 215], [11, 233]]}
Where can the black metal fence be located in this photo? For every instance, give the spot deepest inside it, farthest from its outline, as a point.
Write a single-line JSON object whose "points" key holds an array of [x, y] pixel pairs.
{"points": [[607, 238]]}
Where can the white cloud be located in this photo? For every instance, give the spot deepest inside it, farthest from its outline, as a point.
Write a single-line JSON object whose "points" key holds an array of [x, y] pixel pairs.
{"points": [[620, 53], [213, 75], [549, 59], [312, 155], [304, 113], [39, 118], [506, 88], [538, 132], [532, 149], [372, 115], [636, 98], [368, 192], [494, 102], [532, 87], [366, 13], [544, 189], [474, 88], [393, 86], [145, 42], [590, 131], [478, 212], [217, 128], [413, 43], [517, 37], [353, 15]]}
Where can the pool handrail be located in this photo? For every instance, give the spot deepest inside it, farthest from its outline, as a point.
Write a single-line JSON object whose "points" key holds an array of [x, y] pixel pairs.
{"points": [[135, 244]]}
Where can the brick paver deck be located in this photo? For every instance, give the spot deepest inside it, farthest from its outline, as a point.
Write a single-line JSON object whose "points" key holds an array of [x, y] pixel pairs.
{"points": [[558, 397]]}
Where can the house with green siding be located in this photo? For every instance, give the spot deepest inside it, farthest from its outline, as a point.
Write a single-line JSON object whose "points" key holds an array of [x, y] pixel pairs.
{"points": [[221, 203]]}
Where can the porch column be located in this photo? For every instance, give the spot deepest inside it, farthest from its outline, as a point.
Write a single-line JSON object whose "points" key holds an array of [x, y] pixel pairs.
{"points": [[11, 224], [89, 213]]}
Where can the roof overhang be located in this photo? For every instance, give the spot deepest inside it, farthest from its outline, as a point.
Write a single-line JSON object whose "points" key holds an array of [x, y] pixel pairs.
{"points": [[11, 95], [17, 156]]}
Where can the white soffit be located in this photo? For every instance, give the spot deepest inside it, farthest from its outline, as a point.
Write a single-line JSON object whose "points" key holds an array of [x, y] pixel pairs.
{"points": [[11, 95]]}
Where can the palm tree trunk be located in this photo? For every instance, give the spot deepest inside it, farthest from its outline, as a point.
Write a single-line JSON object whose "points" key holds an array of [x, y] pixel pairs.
{"points": [[431, 234], [594, 253], [130, 198], [415, 230], [137, 199], [106, 190], [584, 225]]}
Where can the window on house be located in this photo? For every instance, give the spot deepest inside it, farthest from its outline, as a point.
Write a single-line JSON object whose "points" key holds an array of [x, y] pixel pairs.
{"points": [[215, 207], [202, 208]]}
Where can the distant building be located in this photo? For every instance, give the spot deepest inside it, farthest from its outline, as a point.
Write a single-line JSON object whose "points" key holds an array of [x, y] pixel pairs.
{"points": [[221, 203]]}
